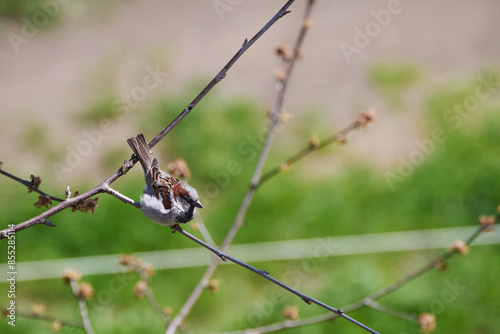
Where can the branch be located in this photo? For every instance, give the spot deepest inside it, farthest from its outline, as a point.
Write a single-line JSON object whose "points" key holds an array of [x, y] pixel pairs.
{"points": [[152, 299], [222, 74], [308, 300], [362, 120], [48, 318], [30, 185], [238, 222], [384, 309], [82, 305], [369, 300], [101, 188]]}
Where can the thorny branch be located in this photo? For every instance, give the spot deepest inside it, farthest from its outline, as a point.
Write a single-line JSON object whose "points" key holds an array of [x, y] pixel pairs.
{"points": [[369, 301], [103, 187]]}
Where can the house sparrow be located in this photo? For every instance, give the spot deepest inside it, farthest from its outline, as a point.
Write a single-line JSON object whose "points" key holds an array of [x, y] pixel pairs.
{"points": [[166, 200]]}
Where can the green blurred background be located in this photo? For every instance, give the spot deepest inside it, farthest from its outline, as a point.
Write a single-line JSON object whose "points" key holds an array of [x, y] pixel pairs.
{"points": [[338, 191]]}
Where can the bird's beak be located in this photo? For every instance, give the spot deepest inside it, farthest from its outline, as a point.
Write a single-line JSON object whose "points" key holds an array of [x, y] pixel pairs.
{"points": [[198, 204]]}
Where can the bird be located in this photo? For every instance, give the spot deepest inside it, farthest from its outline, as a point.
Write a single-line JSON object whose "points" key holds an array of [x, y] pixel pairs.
{"points": [[165, 200]]}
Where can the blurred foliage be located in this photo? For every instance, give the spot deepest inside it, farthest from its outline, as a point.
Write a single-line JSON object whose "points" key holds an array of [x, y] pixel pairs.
{"points": [[393, 79], [455, 183]]}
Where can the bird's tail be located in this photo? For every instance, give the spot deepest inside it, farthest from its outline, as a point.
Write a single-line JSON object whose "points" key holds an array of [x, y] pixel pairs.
{"points": [[140, 147]]}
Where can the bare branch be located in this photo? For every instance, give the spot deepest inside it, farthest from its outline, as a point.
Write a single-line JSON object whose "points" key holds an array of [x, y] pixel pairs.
{"points": [[48, 318], [238, 222], [41, 218], [82, 305], [384, 309], [308, 300], [152, 299], [29, 185], [369, 300], [121, 197], [222, 74], [339, 137]]}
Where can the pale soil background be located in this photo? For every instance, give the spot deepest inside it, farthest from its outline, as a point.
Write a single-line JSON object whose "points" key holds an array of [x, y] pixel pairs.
{"points": [[52, 75]]}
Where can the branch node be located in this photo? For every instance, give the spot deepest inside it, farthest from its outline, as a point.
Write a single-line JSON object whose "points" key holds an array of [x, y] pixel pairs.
{"points": [[223, 258], [307, 301], [49, 223], [245, 41], [127, 164]]}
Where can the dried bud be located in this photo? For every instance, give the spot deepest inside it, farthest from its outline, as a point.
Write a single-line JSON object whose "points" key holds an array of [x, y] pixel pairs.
{"points": [[38, 309], [179, 169], [314, 141], [56, 325], [85, 205], [441, 266], [487, 222], [427, 322], [291, 312], [140, 288], [280, 75], [71, 275], [148, 269], [168, 310], [283, 51], [126, 259], [284, 117], [366, 119], [285, 167], [35, 182], [461, 247], [213, 285], [85, 290], [341, 138], [308, 23], [43, 201]]}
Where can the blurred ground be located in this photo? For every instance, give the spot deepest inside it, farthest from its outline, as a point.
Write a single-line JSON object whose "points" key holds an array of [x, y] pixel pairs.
{"points": [[53, 74]]}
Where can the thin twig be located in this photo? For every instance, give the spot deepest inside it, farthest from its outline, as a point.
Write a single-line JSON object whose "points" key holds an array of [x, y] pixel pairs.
{"points": [[121, 197], [362, 120], [367, 300], [69, 323], [203, 229], [152, 299], [307, 299], [238, 222], [101, 188], [385, 309], [29, 185], [222, 74], [339, 137], [82, 305]]}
